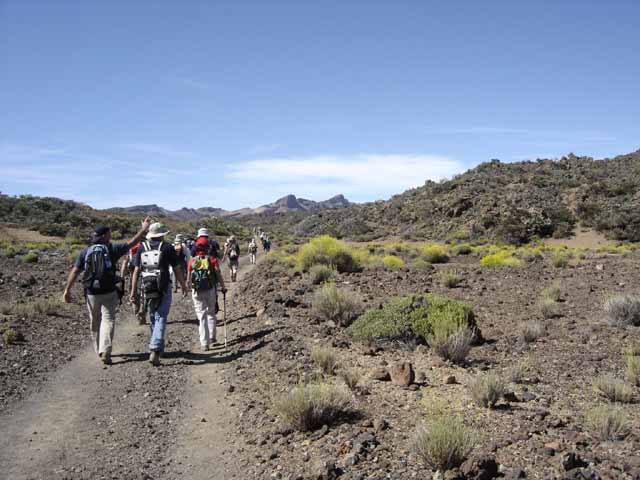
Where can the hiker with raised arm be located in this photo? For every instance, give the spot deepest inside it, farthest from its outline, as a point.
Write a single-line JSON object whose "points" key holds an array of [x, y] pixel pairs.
{"points": [[232, 253], [252, 248], [203, 279], [127, 273], [97, 263], [184, 255], [152, 264]]}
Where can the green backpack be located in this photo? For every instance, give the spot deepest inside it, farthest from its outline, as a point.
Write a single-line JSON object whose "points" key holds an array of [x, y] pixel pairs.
{"points": [[201, 275]]}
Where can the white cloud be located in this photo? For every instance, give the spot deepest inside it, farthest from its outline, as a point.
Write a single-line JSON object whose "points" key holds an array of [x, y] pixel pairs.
{"points": [[365, 176]]}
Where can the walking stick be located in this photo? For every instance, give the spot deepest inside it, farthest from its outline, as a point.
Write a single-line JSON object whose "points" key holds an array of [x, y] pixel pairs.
{"points": [[224, 301]]}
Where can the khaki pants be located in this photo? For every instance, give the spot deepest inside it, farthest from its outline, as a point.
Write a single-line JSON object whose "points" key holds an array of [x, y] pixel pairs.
{"points": [[102, 316], [204, 303]]}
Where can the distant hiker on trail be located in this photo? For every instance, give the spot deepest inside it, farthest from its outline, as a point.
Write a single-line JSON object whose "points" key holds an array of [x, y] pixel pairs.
{"points": [[184, 255], [266, 244], [232, 252], [214, 247], [152, 264], [127, 273], [98, 263], [203, 278], [253, 250]]}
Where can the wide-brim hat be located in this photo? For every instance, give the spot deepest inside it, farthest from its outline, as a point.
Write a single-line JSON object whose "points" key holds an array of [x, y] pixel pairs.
{"points": [[179, 238], [203, 232], [157, 230]]}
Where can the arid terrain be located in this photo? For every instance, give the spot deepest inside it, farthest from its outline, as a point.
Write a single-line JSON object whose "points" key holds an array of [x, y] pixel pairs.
{"points": [[204, 415]]}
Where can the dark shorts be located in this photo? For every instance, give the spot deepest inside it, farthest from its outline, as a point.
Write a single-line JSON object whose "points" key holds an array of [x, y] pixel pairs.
{"points": [[233, 262]]}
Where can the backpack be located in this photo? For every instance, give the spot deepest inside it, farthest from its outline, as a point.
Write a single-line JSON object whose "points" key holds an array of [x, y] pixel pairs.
{"points": [[201, 275], [99, 272], [234, 251], [253, 248], [151, 273]]}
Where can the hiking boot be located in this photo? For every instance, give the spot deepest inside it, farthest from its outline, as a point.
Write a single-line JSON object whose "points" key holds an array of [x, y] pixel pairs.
{"points": [[205, 348], [106, 357], [154, 358]]}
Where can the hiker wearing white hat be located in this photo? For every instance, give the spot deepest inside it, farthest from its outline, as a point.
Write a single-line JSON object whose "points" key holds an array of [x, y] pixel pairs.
{"points": [[152, 262], [214, 246], [232, 252]]}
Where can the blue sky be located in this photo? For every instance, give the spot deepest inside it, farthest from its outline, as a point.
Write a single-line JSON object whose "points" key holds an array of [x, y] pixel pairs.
{"points": [[235, 103]]}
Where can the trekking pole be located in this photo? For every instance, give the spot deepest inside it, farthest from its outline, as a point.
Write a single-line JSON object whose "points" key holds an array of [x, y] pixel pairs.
{"points": [[224, 301]]}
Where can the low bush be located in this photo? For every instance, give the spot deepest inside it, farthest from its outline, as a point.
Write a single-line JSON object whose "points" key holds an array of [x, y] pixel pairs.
{"points": [[531, 330], [412, 317], [450, 278], [9, 252], [607, 423], [308, 407], [391, 262], [462, 249], [623, 310], [31, 257], [487, 390], [321, 274], [633, 350], [421, 265], [332, 303], [453, 346], [45, 306], [434, 254], [633, 369], [351, 377], [325, 359], [326, 250], [561, 259], [516, 374], [10, 336], [613, 389], [502, 258], [553, 292], [444, 443], [548, 307]]}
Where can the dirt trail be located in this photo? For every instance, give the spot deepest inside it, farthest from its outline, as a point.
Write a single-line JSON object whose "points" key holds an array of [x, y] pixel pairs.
{"points": [[129, 420]]}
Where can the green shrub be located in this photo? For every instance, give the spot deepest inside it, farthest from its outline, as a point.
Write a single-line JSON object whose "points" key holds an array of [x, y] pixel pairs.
{"points": [[421, 265], [351, 377], [31, 257], [531, 330], [332, 303], [623, 310], [321, 274], [308, 407], [453, 346], [487, 390], [613, 389], [10, 252], [561, 259], [325, 359], [391, 262], [435, 254], [503, 258], [412, 317], [633, 369], [548, 307], [450, 278], [632, 351], [444, 443], [10, 336], [607, 423], [462, 249], [326, 250]]}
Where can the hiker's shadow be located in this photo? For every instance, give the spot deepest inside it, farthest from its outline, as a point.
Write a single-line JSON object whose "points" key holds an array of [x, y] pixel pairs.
{"points": [[123, 358], [218, 355]]}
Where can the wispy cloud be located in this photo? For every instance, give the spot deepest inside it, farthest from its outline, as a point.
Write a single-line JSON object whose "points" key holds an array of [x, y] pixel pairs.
{"points": [[158, 149]]}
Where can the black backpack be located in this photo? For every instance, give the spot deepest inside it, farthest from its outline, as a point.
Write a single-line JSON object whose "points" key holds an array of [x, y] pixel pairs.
{"points": [[99, 272]]}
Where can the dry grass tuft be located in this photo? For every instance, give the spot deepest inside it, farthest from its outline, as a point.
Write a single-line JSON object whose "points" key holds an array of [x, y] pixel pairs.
{"points": [[487, 390], [607, 423], [613, 389], [325, 359]]}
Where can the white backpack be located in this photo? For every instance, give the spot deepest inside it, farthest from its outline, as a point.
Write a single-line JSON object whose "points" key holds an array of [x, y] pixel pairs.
{"points": [[151, 273]]}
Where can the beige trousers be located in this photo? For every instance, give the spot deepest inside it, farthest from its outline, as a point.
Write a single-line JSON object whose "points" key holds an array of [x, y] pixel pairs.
{"points": [[102, 315], [204, 303]]}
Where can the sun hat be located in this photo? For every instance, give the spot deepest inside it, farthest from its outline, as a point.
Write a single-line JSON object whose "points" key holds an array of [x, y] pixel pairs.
{"points": [[203, 232], [157, 230], [179, 238]]}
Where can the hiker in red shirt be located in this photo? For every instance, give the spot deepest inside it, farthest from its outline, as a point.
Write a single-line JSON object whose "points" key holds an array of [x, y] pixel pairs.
{"points": [[203, 278]]}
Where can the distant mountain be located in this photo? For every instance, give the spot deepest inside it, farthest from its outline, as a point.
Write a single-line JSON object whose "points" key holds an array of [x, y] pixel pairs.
{"points": [[289, 203]]}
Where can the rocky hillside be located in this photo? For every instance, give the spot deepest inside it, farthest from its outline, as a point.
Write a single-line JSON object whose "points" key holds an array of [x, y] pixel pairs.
{"points": [[508, 201], [185, 214], [291, 203]]}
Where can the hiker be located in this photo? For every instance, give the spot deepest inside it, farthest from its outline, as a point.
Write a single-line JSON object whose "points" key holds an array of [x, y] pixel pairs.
{"points": [[203, 278], [127, 273], [152, 264], [98, 263], [232, 252], [183, 254], [267, 244], [253, 250], [214, 246]]}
